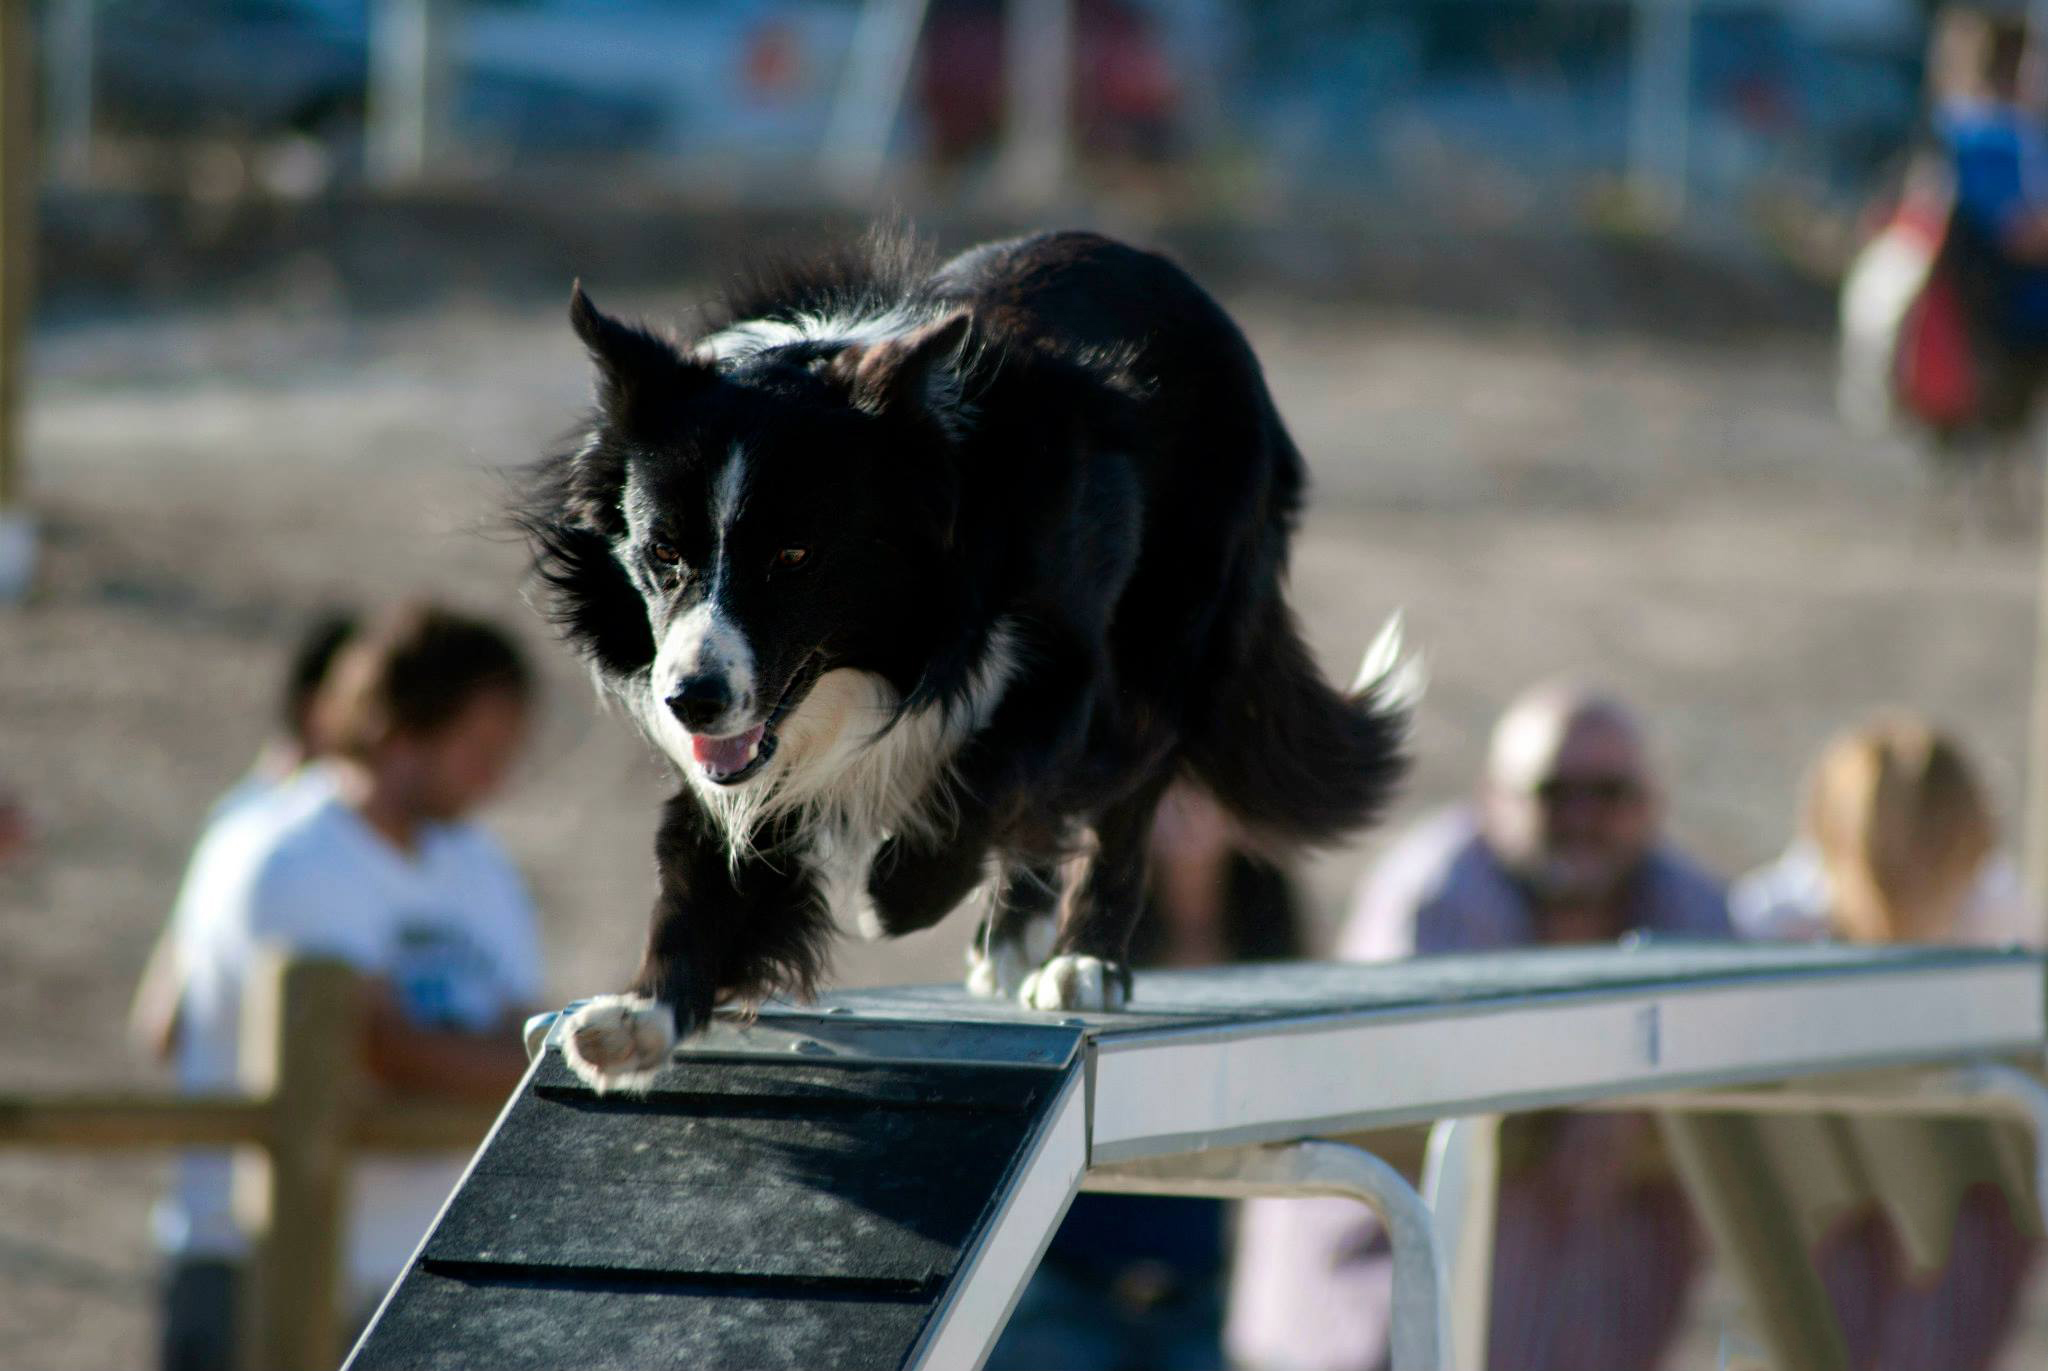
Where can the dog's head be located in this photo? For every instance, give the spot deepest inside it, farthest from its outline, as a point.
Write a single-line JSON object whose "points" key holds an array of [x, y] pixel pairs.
{"points": [[780, 516]]}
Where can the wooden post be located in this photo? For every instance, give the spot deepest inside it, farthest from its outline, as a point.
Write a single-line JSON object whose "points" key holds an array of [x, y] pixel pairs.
{"points": [[301, 1046], [17, 266]]}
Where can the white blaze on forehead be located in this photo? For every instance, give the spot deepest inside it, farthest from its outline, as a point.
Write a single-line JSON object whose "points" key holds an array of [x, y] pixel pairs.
{"points": [[707, 641], [726, 494]]}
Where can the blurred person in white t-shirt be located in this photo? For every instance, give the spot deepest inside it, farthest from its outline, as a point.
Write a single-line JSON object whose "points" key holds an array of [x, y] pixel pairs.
{"points": [[160, 992], [367, 856]]}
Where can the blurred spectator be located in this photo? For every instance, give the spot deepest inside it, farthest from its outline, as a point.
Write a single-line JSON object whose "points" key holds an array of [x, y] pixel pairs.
{"points": [[1594, 1249], [1988, 116], [1897, 844], [1135, 1282], [369, 857], [153, 1017]]}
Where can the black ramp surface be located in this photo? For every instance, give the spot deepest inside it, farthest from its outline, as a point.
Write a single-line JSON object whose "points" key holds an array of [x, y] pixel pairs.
{"points": [[750, 1211]]}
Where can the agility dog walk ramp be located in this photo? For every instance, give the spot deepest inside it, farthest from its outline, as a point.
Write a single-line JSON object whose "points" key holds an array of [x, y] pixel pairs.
{"points": [[870, 1182]]}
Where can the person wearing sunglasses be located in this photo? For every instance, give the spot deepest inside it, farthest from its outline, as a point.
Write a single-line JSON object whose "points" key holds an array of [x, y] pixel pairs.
{"points": [[1594, 1248]]}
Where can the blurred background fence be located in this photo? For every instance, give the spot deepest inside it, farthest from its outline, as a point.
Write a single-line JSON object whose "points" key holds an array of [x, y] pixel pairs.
{"points": [[1759, 127]]}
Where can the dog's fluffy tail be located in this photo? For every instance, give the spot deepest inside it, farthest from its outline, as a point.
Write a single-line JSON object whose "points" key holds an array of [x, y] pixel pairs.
{"points": [[1295, 760]]}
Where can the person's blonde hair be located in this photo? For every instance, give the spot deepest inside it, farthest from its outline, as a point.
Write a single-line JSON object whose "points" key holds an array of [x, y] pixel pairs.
{"points": [[1902, 825]]}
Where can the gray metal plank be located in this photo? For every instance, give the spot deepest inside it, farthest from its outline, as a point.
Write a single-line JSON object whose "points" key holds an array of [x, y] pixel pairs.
{"points": [[1248, 995]]}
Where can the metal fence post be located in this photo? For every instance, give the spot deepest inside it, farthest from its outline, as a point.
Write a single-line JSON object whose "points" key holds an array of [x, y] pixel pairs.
{"points": [[301, 1036]]}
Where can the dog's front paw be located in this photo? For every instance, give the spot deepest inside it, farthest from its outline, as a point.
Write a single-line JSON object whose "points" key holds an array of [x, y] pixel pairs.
{"points": [[1077, 982], [997, 967], [618, 1042]]}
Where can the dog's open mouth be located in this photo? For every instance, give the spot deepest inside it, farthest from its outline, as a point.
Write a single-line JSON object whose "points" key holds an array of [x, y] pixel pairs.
{"points": [[731, 760], [728, 761]]}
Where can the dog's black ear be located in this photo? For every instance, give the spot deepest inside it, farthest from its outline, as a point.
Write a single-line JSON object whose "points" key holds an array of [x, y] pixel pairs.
{"points": [[641, 377], [919, 371]]}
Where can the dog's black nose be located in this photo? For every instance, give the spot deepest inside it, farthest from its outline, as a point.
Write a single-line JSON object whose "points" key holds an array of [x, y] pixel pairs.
{"points": [[699, 701]]}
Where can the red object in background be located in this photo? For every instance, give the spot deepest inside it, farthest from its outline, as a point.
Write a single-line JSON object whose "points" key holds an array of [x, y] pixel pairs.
{"points": [[774, 61], [1935, 363], [1937, 380]]}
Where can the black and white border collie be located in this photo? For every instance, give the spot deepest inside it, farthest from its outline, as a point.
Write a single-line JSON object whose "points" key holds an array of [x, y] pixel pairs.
{"points": [[934, 577]]}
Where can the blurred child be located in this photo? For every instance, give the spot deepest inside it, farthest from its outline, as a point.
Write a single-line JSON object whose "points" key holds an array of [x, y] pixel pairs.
{"points": [[1898, 845]]}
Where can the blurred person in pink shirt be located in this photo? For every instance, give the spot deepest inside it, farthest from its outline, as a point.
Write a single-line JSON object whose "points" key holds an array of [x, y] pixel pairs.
{"points": [[1595, 1247]]}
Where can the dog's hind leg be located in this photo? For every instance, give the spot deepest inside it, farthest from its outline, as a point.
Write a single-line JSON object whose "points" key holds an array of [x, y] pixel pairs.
{"points": [[1018, 932], [1090, 969], [913, 885]]}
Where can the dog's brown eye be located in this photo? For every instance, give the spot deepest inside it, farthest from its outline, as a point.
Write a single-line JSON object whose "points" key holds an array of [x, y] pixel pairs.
{"points": [[792, 557], [665, 554]]}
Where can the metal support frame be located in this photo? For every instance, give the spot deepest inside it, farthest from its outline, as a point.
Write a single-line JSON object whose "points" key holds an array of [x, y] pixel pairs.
{"points": [[1461, 1184], [1716, 1143], [1421, 1314], [2027, 1094]]}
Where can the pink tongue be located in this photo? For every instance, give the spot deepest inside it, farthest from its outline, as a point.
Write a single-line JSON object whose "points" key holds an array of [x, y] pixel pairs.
{"points": [[727, 755]]}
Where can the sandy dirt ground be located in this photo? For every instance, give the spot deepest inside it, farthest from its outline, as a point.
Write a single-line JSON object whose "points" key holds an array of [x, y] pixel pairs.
{"points": [[1691, 524]]}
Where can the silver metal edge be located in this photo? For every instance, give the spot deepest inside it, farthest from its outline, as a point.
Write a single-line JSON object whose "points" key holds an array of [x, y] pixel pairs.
{"points": [[1114, 1057], [964, 1326]]}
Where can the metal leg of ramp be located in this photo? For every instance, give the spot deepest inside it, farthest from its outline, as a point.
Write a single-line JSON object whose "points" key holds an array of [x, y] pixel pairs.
{"points": [[1421, 1316], [1461, 1184]]}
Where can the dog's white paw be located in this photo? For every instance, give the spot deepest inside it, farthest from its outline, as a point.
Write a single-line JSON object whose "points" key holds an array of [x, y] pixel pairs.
{"points": [[618, 1042], [1074, 982], [997, 968]]}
